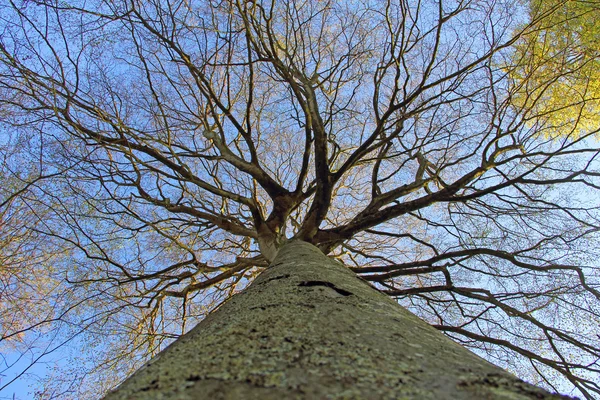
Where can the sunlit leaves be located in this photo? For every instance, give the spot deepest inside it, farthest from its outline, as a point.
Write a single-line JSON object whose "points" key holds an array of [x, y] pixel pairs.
{"points": [[556, 66]]}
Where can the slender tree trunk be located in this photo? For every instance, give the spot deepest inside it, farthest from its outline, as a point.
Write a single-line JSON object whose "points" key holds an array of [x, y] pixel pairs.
{"points": [[308, 328]]}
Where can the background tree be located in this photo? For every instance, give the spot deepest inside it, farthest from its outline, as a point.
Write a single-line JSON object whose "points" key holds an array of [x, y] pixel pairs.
{"points": [[182, 142], [555, 67]]}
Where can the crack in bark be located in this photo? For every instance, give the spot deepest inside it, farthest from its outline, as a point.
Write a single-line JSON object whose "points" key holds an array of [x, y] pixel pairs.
{"points": [[343, 292]]}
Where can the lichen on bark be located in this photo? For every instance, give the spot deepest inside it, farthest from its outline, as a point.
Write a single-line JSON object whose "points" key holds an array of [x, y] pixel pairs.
{"points": [[308, 328]]}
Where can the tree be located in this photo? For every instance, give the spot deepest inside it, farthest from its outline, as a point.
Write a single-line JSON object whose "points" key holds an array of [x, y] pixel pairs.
{"points": [[307, 328], [184, 142], [555, 66]]}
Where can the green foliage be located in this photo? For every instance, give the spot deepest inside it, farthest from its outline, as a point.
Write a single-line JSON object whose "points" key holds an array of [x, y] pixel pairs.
{"points": [[556, 66]]}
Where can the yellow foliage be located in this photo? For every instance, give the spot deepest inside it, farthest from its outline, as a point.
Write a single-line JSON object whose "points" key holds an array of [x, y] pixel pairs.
{"points": [[556, 66]]}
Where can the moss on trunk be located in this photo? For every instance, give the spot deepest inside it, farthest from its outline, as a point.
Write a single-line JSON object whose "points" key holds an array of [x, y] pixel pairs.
{"points": [[308, 328]]}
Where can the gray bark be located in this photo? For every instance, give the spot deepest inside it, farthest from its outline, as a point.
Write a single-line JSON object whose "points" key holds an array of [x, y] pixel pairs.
{"points": [[308, 328]]}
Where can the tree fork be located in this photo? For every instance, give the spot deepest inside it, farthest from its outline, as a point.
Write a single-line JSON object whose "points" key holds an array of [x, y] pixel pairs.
{"points": [[308, 328]]}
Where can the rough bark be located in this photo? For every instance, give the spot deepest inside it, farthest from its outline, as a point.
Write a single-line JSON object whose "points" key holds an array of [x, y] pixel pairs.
{"points": [[308, 328]]}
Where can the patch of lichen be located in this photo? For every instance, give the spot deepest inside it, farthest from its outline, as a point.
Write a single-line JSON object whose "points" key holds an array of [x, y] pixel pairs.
{"points": [[331, 337]]}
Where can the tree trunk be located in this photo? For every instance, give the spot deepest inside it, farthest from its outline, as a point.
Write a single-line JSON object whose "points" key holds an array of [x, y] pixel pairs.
{"points": [[308, 328]]}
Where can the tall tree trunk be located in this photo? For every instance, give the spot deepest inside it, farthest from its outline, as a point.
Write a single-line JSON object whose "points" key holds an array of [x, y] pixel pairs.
{"points": [[308, 328]]}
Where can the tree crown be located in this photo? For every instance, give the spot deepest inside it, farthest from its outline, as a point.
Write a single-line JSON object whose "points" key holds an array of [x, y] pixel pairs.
{"points": [[156, 154]]}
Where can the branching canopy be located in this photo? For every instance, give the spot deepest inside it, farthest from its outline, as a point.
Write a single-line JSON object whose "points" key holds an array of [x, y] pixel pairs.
{"points": [[155, 154]]}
